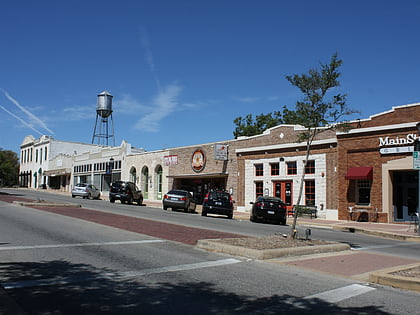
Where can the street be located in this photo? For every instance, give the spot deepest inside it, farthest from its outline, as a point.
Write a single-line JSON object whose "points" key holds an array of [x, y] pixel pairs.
{"points": [[55, 264]]}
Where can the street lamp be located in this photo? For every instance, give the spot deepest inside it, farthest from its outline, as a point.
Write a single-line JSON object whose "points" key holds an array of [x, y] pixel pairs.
{"points": [[111, 166]]}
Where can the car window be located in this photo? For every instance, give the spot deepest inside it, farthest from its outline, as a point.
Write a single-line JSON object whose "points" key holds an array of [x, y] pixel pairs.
{"points": [[178, 192], [80, 185], [219, 195]]}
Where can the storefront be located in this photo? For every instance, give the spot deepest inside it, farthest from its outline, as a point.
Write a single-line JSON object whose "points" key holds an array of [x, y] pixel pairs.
{"points": [[376, 179], [201, 169]]}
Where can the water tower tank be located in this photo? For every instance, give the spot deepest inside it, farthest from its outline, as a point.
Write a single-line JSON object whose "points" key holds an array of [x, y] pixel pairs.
{"points": [[104, 107]]}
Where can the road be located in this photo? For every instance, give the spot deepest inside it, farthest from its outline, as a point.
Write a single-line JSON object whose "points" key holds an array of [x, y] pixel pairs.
{"points": [[54, 264]]}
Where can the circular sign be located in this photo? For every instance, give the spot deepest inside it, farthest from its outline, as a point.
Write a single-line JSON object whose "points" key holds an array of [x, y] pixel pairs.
{"points": [[198, 160]]}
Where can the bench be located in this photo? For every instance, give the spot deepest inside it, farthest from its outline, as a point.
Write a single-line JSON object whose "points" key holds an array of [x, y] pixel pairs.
{"points": [[306, 211]]}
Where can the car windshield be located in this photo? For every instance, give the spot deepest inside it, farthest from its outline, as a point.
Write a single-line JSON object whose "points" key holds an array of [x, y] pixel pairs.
{"points": [[81, 185], [178, 192]]}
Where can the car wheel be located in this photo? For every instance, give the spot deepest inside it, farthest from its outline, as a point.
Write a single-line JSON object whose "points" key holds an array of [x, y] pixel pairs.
{"points": [[165, 208], [122, 201], [84, 197], [111, 200], [73, 196], [283, 222], [230, 216], [204, 213], [140, 202], [130, 200], [89, 196]]}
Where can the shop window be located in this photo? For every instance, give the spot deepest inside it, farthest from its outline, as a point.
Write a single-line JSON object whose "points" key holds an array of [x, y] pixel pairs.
{"points": [[259, 171], [275, 169], [363, 191], [310, 167], [259, 189], [291, 168], [310, 192]]}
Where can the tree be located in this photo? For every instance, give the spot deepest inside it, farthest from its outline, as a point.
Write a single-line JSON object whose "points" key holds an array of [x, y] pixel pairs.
{"points": [[318, 111], [248, 126], [9, 168]]}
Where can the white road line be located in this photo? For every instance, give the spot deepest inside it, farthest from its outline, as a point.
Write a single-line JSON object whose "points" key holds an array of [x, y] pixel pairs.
{"points": [[337, 295], [79, 245], [206, 264], [383, 246], [115, 276]]}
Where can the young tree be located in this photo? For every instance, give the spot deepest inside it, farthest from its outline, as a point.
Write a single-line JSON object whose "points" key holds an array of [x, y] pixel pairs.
{"points": [[318, 111]]}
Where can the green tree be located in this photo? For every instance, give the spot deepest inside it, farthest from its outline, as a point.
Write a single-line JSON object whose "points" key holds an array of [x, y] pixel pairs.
{"points": [[9, 168], [319, 110], [248, 126]]}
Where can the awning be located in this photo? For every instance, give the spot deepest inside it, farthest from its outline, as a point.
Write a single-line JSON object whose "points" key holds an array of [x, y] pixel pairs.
{"points": [[364, 172], [58, 172]]}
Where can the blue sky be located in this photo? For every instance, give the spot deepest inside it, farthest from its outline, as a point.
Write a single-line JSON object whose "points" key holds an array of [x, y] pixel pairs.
{"points": [[181, 71]]}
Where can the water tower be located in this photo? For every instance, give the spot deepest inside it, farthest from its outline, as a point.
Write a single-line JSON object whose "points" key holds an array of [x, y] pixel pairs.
{"points": [[103, 112]]}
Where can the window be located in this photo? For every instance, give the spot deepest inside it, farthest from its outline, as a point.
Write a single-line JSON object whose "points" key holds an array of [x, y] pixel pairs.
{"points": [[45, 153], [310, 192], [310, 167], [36, 156], [291, 168], [363, 191], [258, 189], [275, 169], [259, 171]]}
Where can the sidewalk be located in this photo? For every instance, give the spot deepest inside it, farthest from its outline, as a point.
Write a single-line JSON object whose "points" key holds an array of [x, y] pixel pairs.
{"points": [[401, 231]]}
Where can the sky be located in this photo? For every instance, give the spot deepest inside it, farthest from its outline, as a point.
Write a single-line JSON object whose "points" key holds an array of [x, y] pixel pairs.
{"points": [[181, 71]]}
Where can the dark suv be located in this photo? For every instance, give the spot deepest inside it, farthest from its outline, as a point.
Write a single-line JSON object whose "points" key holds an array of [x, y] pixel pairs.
{"points": [[126, 192], [218, 202]]}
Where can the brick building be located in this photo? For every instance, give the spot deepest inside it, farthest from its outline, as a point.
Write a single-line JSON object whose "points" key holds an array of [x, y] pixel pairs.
{"points": [[376, 179]]}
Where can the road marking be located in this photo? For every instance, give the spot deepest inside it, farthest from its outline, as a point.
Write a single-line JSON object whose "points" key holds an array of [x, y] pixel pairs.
{"points": [[206, 264], [337, 295], [116, 276], [79, 245], [383, 246]]}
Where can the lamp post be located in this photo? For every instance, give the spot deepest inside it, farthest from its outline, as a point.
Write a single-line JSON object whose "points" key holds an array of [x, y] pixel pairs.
{"points": [[111, 166], [417, 149]]}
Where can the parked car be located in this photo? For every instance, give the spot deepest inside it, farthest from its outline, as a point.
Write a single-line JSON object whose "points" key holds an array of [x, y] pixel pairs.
{"points": [[179, 199], [126, 192], [269, 209], [218, 202], [86, 191]]}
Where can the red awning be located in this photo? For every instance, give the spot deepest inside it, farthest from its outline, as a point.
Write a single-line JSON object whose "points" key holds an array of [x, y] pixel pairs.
{"points": [[364, 172]]}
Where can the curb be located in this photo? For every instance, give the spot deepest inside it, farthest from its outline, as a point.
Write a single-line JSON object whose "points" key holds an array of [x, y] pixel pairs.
{"points": [[389, 235], [46, 204], [218, 246], [385, 277]]}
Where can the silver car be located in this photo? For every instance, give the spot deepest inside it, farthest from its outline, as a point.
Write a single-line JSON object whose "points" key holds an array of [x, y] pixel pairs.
{"points": [[86, 191], [179, 199]]}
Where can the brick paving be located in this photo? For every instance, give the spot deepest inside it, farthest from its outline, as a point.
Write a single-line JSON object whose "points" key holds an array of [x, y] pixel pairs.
{"points": [[172, 232]]}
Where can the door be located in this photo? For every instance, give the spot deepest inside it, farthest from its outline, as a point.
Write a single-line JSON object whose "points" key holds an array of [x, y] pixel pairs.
{"points": [[405, 197], [283, 190]]}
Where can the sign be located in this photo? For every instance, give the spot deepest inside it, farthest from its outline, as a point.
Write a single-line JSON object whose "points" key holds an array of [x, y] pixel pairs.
{"points": [[170, 160], [387, 141], [221, 152], [198, 160], [416, 160], [396, 150]]}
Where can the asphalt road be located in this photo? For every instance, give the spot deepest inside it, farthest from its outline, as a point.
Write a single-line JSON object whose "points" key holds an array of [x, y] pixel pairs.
{"points": [[53, 264]]}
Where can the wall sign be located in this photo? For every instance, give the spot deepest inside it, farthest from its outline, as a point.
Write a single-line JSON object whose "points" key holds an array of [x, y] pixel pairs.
{"points": [[220, 152], [387, 141], [170, 160], [198, 160]]}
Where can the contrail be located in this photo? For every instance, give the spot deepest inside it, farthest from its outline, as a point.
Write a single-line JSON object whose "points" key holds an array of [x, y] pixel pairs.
{"points": [[21, 120], [149, 55], [27, 112]]}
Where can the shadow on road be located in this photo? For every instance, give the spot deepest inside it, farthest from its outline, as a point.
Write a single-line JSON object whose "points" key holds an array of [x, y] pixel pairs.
{"points": [[87, 290]]}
